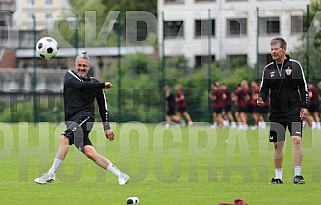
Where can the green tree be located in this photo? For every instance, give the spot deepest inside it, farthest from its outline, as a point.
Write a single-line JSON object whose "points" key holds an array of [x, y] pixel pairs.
{"points": [[143, 99], [103, 8], [310, 55], [97, 19], [97, 9]]}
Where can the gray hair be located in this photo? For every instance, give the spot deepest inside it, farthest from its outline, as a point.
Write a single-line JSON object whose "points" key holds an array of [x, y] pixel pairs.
{"points": [[83, 55], [279, 40]]}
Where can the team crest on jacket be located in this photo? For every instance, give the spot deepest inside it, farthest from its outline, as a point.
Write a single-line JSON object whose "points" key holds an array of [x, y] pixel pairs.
{"points": [[288, 71]]}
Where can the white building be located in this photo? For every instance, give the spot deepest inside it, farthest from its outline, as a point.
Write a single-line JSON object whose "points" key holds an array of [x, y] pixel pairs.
{"points": [[238, 28], [44, 11]]}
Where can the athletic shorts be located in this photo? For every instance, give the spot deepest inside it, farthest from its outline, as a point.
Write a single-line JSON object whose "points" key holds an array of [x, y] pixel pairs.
{"points": [[227, 108], [181, 109], [218, 110], [277, 130], [264, 110], [78, 131], [241, 109], [250, 108], [170, 111], [256, 109], [313, 107]]}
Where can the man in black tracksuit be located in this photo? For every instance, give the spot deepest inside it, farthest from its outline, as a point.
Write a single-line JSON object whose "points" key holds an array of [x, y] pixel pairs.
{"points": [[80, 93], [284, 80]]}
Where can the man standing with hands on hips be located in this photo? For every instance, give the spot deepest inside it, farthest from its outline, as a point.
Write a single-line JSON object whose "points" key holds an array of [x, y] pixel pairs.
{"points": [[284, 80]]}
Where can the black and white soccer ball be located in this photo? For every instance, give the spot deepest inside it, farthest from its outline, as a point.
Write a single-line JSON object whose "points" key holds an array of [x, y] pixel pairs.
{"points": [[47, 48], [133, 200]]}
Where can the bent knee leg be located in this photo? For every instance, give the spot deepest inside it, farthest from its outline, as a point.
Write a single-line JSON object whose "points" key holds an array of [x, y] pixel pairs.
{"points": [[64, 140], [90, 152]]}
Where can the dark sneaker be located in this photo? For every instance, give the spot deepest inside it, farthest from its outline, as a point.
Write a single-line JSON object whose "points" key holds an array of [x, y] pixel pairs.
{"points": [[276, 181], [298, 179]]}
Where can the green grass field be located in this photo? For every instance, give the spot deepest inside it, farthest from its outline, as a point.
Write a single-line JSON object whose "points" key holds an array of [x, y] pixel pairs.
{"points": [[196, 165]]}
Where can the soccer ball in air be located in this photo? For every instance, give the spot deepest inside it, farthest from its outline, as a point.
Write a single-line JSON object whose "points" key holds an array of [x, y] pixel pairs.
{"points": [[47, 48]]}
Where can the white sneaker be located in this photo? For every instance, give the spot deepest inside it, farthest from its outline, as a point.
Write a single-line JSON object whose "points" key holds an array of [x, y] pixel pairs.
{"points": [[254, 127], [213, 126], [226, 123], [242, 127], [45, 178], [233, 125], [314, 125], [262, 125], [123, 178]]}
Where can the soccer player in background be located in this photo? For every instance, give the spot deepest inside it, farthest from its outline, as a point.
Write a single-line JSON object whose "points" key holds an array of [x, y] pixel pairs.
{"points": [[242, 96], [257, 116], [217, 95], [227, 113], [284, 80], [170, 106], [313, 118], [80, 92], [182, 107]]}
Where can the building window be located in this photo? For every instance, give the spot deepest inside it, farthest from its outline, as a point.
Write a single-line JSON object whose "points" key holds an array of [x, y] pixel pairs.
{"points": [[173, 29], [48, 16], [202, 28], [273, 27], [29, 16], [263, 60], [201, 61], [269, 26], [174, 1], [296, 24], [48, 2], [4, 35], [236, 27], [31, 2], [3, 23]]}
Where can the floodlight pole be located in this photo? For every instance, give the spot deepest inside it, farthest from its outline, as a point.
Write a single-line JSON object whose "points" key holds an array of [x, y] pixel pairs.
{"points": [[257, 43], [308, 43], [162, 65], [34, 80], [76, 37], [74, 25], [119, 33], [163, 54], [209, 63]]}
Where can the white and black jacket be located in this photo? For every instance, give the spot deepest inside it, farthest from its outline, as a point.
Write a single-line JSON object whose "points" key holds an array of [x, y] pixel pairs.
{"points": [[287, 87], [80, 95]]}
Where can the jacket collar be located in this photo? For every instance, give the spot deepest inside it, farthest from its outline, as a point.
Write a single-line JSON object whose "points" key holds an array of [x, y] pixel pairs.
{"points": [[285, 60]]}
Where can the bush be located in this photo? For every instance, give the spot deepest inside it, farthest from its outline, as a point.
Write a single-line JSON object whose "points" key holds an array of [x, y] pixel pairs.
{"points": [[142, 96]]}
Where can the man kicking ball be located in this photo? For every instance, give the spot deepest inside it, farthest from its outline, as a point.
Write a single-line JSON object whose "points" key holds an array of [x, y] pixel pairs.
{"points": [[80, 92]]}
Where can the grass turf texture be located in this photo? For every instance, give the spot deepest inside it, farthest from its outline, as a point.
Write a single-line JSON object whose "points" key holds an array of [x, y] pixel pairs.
{"points": [[196, 165]]}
